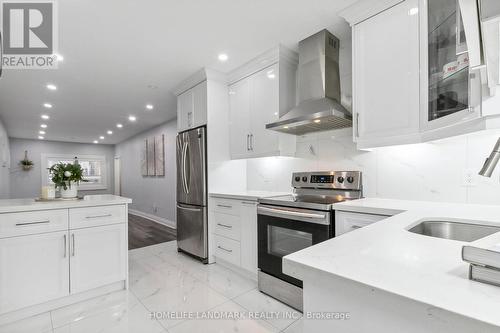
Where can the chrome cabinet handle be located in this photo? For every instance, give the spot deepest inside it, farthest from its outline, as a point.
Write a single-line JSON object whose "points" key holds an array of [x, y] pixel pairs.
{"points": [[355, 227], [98, 216], [248, 203], [357, 125], [248, 142], [223, 249], [30, 223], [251, 142], [225, 226], [225, 206], [73, 246], [65, 246]]}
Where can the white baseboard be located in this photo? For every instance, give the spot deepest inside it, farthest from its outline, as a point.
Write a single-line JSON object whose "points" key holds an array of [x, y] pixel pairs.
{"points": [[153, 218]]}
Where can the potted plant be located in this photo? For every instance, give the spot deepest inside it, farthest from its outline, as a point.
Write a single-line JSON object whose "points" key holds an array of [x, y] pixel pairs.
{"points": [[26, 163], [67, 177]]}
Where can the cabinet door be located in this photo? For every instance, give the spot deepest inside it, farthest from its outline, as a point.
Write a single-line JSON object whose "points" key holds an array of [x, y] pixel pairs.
{"points": [[185, 110], [239, 119], [98, 256], [33, 269], [264, 109], [200, 104], [386, 73], [452, 92], [249, 236]]}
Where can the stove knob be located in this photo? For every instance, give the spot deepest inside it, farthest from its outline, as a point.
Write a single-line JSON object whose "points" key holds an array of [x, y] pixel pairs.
{"points": [[350, 179], [304, 179], [340, 179], [297, 179]]}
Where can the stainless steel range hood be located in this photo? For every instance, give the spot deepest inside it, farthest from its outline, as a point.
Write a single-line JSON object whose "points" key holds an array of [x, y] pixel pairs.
{"points": [[319, 107]]}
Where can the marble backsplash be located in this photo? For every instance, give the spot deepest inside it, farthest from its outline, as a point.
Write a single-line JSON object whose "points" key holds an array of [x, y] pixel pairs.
{"points": [[436, 171]]}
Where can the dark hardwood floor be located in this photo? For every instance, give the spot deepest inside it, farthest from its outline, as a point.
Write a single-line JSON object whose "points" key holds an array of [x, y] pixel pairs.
{"points": [[143, 232]]}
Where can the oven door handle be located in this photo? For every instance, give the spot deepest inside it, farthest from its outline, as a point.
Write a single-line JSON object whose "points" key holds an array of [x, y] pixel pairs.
{"points": [[310, 217]]}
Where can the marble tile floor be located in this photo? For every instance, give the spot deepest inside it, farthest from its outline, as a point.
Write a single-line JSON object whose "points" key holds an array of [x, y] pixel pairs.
{"points": [[166, 288]]}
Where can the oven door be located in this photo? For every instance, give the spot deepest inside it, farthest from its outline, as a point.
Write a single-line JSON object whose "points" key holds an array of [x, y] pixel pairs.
{"points": [[285, 230]]}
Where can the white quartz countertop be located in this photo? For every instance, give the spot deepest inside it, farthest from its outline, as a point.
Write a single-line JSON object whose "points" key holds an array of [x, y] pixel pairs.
{"points": [[247, 195], [23, 205], [386, 256]]}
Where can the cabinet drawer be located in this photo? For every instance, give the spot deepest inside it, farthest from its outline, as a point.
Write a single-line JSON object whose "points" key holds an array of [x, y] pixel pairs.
{"points": [[227, 225], [228, 250], [96, 216], [29, 223], [227, 206], [347, 221]]}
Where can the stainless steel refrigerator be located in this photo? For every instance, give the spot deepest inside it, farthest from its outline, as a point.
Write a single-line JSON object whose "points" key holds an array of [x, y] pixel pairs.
{"points": [[192, 193]]}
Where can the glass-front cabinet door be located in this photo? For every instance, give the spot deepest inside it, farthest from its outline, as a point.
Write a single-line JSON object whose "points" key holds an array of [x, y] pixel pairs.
{"points": [[452, 87]]}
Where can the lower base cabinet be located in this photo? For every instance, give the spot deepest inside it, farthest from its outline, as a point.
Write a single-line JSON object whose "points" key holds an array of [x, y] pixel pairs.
{"points": [[349, 221], [33, 269], [235, 232], [98, 257], [43, 258]]}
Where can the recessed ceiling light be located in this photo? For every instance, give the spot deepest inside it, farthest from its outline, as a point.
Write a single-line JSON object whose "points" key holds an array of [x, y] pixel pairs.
{"points": [[285, 127], [101, 137], [132, 118], [223, 57], [41, 132], [317, 121], [43, 126], [119, 125], [149, 106], [51, 86], [41, 137], [109, 132], [47, 105], [95, 141], [45, 116]]}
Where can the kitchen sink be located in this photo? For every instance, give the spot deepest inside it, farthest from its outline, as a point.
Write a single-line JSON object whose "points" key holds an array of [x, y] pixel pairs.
{"points": [[465, 232]]}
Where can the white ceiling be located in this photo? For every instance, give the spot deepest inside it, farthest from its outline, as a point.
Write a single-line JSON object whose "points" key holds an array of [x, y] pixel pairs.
{"points": [[114, 49]]}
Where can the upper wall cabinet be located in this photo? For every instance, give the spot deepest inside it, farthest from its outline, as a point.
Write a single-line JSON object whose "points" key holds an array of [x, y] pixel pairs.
{"points": [[386, 75], [192, 107], [259, 92], [415, 70]]}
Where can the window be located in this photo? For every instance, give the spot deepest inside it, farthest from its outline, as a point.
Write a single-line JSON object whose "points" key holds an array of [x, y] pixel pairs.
{"points": [[94, 169]]}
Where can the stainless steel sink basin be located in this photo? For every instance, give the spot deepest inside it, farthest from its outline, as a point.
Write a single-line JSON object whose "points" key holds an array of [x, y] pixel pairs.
{"points": [[466, 232]]}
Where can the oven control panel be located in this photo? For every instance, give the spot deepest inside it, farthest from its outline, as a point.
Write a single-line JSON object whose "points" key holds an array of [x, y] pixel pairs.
{"points": [[346, 180]]}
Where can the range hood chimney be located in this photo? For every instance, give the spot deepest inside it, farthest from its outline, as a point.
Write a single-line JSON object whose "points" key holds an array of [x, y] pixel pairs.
{"points": [[319, 107]]}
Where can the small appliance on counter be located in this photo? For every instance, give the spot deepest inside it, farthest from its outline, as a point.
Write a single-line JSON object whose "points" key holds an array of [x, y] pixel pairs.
{"points": [[192, 228], [287, 224]]}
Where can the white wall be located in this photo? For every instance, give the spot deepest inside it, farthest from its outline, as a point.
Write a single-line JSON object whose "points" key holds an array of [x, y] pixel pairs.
{"points": [[27, 184], [155, 196], [4, 163], [429, 171]]}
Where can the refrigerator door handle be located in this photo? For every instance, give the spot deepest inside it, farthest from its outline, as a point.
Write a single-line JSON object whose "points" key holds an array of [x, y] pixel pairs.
{"points": [[184, 170]]}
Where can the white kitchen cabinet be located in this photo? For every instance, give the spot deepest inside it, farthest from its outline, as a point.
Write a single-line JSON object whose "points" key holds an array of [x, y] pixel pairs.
{"points": [[192, 107], [33, 269], [386, 75], [350, 221], [258, 96], [98, 256], [239, 119], [415, 71], [249, 236], [235, 232]]}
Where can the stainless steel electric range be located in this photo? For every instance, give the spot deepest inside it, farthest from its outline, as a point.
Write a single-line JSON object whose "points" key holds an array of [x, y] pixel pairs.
{"points": [[290, 223]]}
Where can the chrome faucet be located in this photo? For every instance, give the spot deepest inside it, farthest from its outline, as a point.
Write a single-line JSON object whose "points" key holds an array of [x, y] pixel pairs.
{"points": [[492, 161]]}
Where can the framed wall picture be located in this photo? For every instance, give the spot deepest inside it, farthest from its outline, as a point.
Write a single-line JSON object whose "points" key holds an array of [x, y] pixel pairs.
{"points": [[151, 156], [144, 158], [160, 155]]}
